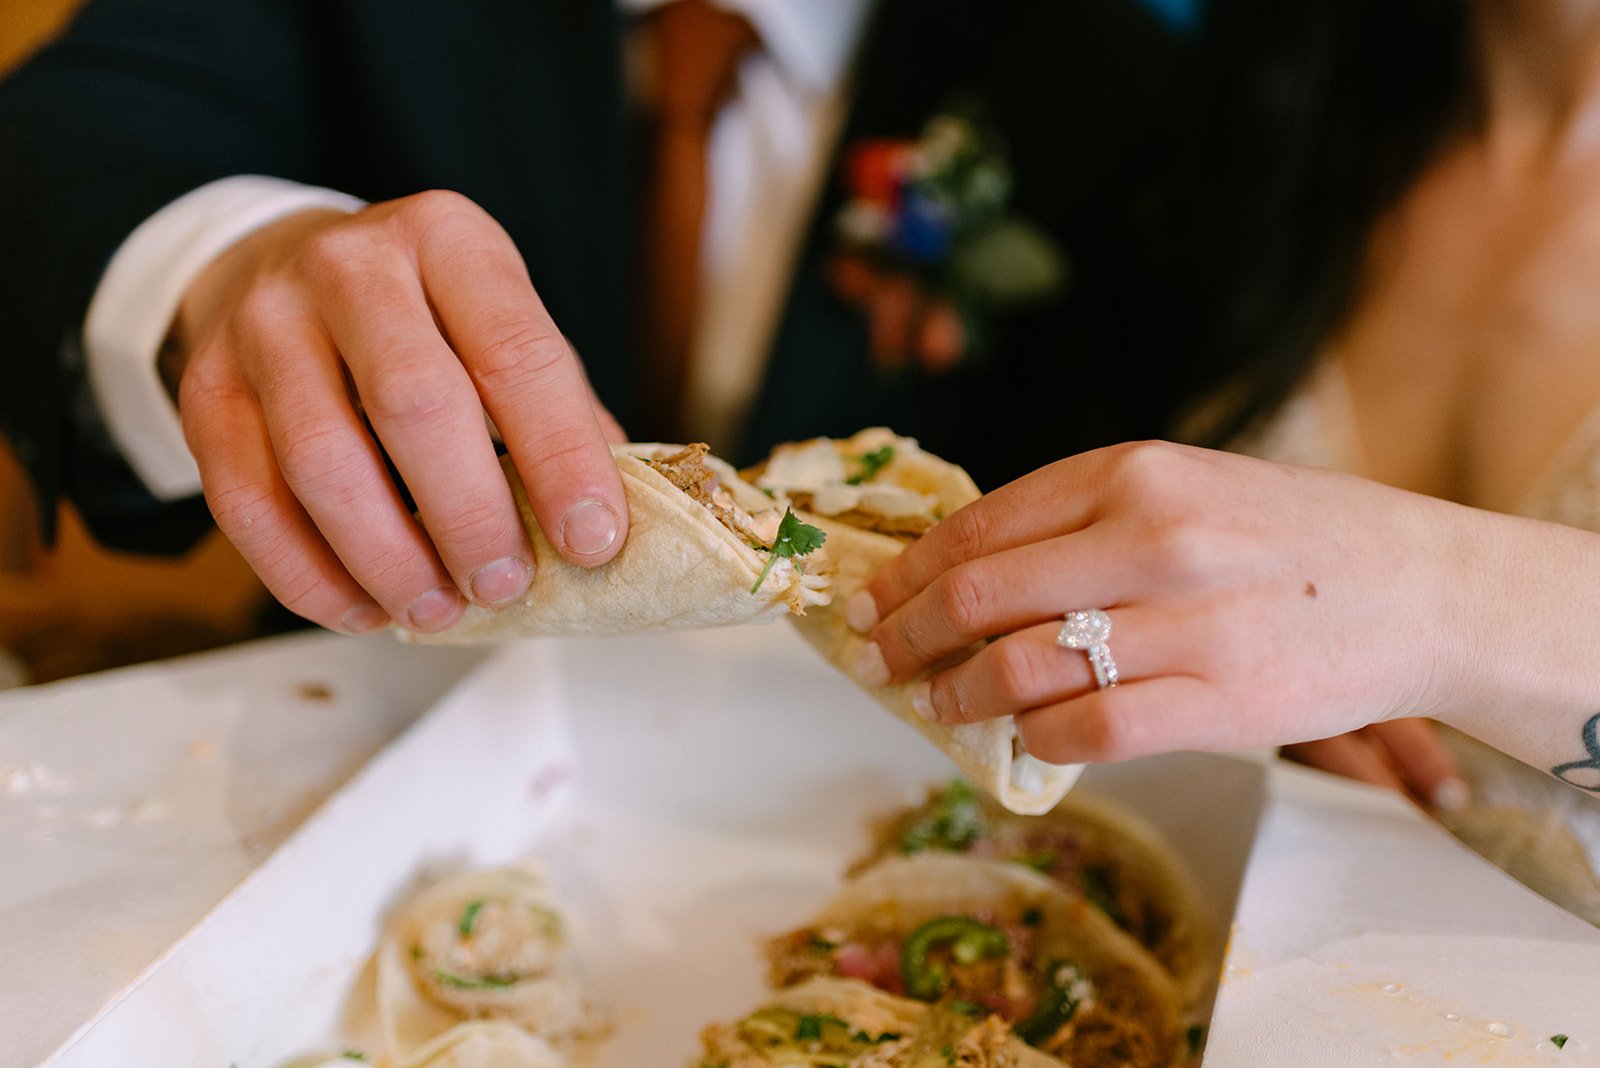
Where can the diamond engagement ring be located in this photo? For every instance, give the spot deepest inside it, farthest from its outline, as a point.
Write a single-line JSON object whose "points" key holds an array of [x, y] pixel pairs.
{"points": [[1088, 629]]}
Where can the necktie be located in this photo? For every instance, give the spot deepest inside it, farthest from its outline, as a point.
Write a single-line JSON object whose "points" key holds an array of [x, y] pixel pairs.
{"points": [[697, 48]]}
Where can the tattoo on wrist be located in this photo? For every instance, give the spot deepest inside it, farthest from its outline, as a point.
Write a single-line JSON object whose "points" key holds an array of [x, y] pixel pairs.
{"points": [[1584, 774]]}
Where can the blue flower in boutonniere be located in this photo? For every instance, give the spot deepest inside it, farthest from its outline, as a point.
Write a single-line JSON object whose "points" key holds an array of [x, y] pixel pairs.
{"points": [[929, 247]]}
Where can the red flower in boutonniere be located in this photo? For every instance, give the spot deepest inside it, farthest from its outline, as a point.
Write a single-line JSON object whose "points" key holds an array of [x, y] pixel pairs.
{"points": [[928, 247]]}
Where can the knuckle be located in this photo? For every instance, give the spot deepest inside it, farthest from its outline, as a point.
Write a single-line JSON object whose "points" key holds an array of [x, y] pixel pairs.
{"points": [[968, 532], [261, 309], [296, 583], [246, 513], [336, 252], [1018, 673], [407, 391], [516, 354], [312, 453], [565, 451], [1181, 553], [435, 208], [964, 600], [1147, 472], [469, 527], [209, 380], [392, 572]]}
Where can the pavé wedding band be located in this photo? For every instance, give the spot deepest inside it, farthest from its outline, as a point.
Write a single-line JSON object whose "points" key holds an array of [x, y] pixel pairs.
{"points": [[1088, 629]]}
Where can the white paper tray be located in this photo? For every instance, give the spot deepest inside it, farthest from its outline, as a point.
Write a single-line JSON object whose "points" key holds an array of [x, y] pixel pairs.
{"points": [[692, 795]]}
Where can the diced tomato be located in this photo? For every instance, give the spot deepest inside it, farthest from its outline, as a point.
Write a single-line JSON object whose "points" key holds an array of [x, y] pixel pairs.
{"points": [[878, 965]]}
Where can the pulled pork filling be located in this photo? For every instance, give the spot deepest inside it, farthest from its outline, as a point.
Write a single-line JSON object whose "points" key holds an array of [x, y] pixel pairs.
{"points": [[955, 960], [1113, 1028], [975, 966], [687, 470], [821, 477], [957, 819], [804, 577], [775, 1036]]}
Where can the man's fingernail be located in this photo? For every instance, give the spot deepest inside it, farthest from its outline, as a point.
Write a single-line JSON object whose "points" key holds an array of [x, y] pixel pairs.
{"points": [[922, 700], [871, 667], [861, 612], [501, 582], [364, 618], [434, 610], [1450, 796], [589, 528]]}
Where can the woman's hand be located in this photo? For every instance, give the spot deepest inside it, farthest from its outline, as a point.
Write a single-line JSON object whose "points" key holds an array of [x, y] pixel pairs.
{"points": [[1252, 604], [412, 318], [1404, 755]]}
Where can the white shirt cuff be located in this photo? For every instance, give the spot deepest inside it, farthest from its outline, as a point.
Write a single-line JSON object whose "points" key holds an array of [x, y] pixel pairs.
{"points": [[138, 295]]}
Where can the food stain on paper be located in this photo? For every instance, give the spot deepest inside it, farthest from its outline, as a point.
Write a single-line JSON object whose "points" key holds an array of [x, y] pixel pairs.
{"points": [[1446, 1033], [1241, 960]]}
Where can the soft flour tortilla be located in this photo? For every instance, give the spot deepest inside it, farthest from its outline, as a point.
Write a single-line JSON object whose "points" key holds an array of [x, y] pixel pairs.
{"points": [[488, 1044], [679, 568], [1089, 845], [989, 753], [927, 1037], [481, 946], [1130, 1016]]}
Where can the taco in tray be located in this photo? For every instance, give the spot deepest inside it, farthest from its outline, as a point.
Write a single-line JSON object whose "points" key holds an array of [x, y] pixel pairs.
{"points": [[481, 946], [486, 1044], [873, 494], [990, 937], [704, 549], [1087, 844], [842, 1023]]}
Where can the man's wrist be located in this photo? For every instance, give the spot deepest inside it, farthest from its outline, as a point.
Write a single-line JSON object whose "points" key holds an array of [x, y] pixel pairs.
{"points": [[134, 306]]}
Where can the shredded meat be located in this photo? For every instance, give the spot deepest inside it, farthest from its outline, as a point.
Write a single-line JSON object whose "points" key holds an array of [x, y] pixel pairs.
{"points": [[687, 470], [985, 1046], [795, 957], [1118, 1027], [907, 528]]}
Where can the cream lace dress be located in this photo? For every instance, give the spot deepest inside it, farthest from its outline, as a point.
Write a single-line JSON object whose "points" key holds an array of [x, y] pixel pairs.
{"points": [[1543, 832]]}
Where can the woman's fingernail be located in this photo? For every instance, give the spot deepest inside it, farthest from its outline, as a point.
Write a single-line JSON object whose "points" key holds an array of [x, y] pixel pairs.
{"points": [[364, 618], [861, 612], [1450, 796], [434, 610], [871, 667], [589, 528], [501, 582], [922, 700]]}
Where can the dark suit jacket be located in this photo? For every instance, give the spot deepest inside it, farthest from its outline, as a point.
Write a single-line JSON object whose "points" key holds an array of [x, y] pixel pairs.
{"points": [[518, 104]]}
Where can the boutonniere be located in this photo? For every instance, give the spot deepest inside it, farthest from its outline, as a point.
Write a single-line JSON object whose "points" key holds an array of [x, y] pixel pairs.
{"points": [[929, 247]]}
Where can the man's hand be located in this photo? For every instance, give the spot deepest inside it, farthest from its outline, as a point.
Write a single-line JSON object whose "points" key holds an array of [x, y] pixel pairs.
{"points": [[318, 337]]}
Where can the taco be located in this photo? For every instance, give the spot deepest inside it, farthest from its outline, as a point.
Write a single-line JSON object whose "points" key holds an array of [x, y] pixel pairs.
{"points": [[1089, 845], [990, 937], [704, 549], [485, 945], [486, 1044], [873, 494], [841, 1023]]}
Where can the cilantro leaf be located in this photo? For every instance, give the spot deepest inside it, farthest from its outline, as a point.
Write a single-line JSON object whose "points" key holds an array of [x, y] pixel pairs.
{"points": [[488, 982], [871, 463], [794, 539], [809, 1028], [469, 918]]}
